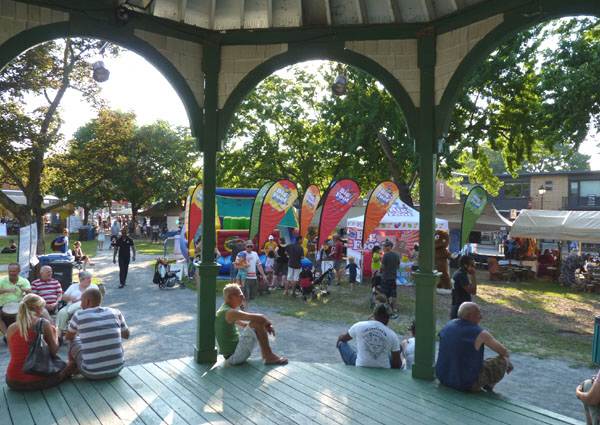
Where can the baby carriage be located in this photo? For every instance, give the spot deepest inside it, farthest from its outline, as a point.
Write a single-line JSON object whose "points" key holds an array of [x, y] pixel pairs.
{"points": [[164, 275], [313, 287]]}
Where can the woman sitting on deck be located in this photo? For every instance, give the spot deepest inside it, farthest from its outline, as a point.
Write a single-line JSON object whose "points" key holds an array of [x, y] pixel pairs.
{"points": [[20, 336]]}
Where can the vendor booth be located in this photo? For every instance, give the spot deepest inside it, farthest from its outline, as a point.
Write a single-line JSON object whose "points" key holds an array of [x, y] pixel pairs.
{"points": [[400, 225]]}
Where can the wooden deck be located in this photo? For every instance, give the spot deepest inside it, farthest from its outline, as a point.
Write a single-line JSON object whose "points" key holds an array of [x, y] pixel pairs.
{"points": [[182, 392]]}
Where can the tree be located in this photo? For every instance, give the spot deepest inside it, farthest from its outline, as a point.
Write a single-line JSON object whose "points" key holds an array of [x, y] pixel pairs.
{"points": [[39, 78], [139, 164], [291, 126], [528, 107]]}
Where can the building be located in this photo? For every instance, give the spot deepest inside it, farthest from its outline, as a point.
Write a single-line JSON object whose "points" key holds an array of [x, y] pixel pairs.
{"points": [[560, 190]]}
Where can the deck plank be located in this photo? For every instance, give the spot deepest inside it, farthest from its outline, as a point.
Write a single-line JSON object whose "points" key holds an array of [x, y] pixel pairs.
{"points": [[250, 393], [230, 395], [200, 400], [40, 412], [166, 412], [182, 392], [137, 403], [116, 403], [81, 411], [19, 411]]}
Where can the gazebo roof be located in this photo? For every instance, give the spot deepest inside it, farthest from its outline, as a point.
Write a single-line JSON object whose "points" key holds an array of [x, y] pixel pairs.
{"points": [[263, 14]]}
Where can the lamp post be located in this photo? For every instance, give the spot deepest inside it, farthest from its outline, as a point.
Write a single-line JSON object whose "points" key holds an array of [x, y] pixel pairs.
{"points": [[541, 191]]}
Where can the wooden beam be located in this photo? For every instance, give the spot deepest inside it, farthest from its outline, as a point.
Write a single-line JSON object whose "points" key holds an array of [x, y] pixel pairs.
{"points": [[269, 13], [429, 9], [242, 10], [327, 6], [361, 12], [182, 5], [396, 11], [211, 14]]}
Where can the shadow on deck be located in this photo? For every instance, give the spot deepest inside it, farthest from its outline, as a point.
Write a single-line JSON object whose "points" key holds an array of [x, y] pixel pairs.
{"points": [[183, 392]]}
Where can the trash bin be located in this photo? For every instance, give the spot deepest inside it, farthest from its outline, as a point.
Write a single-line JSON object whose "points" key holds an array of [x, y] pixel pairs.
{"points": [[63, 272], [83, 233], [596, 343]]}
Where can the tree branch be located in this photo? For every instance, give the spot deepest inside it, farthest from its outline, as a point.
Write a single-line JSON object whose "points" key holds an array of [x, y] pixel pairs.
{"points": [[12, 206], [16, 179], [68, 199]]}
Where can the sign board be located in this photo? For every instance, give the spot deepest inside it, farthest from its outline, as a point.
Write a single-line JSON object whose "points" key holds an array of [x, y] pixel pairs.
{"points": [[74, 222], [3, 230], [27, 248]]}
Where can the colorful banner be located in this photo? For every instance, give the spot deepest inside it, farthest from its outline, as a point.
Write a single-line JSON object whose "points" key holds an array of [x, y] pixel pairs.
{"points": [[380, 201], [256, 209], [310, 202], [340, 197], [193, 217], [278, 200], [474, 205]]}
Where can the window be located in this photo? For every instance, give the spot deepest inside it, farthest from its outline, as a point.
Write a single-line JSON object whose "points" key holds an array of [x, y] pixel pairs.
{"points": [[589, 188], [516, 190], [574, 188], [548, 185]]}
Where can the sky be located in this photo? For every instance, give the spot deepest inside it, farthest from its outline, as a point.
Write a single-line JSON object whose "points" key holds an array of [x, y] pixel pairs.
{"points": [[135, 85]]}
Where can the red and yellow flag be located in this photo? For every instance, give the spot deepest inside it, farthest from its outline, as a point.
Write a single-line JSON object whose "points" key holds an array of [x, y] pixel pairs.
{"points": [[310, 202], [382, 198]]}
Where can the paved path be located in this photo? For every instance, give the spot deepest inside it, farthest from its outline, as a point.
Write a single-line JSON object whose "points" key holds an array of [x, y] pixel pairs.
{"points": [[163, 327]]}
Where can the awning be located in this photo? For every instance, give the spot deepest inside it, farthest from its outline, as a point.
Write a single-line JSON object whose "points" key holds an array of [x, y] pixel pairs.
{"points": [[582, 226], [490, 220]]}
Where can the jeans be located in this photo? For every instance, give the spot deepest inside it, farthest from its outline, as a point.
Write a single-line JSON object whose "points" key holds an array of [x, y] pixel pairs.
{"points": [[123, 269], [348, 354]]}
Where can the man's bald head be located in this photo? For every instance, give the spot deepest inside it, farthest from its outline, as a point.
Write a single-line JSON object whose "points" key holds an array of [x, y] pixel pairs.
{"points": [[45, 272], [469, 311], [91, 297]]}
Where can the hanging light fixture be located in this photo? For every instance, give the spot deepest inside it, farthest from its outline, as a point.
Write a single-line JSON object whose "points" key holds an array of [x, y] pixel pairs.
{"points": [[339, 86], [99, 71]]}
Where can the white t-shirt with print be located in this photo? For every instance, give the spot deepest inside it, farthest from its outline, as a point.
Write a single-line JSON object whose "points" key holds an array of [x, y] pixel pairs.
{"points": [[374, 343], [74, 291], [252, 259]]}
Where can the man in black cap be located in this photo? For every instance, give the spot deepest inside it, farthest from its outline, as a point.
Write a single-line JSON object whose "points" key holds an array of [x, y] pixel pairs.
{"points": [[376, 344]]}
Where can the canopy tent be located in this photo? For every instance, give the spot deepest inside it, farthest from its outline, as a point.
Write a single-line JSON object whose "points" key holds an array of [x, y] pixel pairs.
{"points": [[489, 220], [583, 226], [399, 217]]}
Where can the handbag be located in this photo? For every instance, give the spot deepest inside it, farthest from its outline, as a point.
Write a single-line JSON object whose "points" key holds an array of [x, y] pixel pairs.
{"points": [[39, 360]]}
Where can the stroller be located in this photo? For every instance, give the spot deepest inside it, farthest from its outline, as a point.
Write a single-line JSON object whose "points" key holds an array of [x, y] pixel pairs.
{"points": [[315, 287], [164, 276]]}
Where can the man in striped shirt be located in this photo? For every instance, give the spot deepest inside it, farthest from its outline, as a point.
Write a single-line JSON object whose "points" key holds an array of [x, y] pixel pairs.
{"points": [[96, 336], [47, 288]]}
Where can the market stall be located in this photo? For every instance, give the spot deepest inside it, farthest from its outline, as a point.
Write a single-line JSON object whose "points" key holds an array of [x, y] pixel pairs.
{"points": [[400, 225]]}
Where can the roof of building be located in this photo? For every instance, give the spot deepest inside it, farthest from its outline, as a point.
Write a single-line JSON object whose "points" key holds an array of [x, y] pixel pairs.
{"points": [[263, 14], [551, 173]]}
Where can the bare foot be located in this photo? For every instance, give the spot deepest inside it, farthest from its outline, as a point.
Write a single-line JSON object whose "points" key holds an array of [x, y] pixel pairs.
{"points": [[276, 360]]}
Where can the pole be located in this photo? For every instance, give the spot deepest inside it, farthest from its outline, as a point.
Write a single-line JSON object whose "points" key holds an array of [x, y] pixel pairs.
{"points": [[427, 277], [205, 351]]}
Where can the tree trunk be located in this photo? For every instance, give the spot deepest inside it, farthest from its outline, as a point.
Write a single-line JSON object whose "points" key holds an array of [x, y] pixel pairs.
{"points": [[86, 215], [39, 221], [405, 195]]}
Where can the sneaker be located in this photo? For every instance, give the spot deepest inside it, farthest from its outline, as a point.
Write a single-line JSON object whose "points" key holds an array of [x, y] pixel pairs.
{"points": [[121, 286], [394, 316]]}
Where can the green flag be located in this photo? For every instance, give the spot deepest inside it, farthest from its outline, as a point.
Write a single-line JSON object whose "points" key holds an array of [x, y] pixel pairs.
{"points": [[474, 205], [256, 209]]}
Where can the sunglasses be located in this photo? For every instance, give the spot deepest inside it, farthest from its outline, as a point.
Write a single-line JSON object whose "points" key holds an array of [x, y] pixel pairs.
{"points": [[249, 246]]}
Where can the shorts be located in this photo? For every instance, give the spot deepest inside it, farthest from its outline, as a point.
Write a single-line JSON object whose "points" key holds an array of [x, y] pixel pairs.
{"points": [[242, 274], [592, 409], [281, 269], [339, 264], [75, 352], [388, 288], [244, 347], [293, 275]]}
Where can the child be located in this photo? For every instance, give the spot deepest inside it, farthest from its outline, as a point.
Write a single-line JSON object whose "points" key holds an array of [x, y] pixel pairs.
{"points": [[306, 282], [352, 268], [408, 348], [269, 267], [241, 265]]}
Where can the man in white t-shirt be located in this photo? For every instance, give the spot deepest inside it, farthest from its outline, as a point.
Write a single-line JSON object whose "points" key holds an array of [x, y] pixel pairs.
{"points": [[250, 286], [72, 297], [376, 344]]}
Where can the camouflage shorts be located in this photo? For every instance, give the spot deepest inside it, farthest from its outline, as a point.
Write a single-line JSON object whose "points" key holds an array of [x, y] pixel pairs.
{"points": [[593, 411], [492, 372]]}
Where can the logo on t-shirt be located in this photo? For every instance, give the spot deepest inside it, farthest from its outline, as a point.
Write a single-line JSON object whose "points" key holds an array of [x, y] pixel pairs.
{"points": [[375, 341]]}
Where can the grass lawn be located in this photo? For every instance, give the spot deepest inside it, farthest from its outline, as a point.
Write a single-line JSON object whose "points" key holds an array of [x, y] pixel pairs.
{"points": [[88, 247], [538, 318], [144, 246]]}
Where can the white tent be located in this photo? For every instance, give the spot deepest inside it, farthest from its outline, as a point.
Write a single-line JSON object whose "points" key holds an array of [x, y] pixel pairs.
{"points": [[583, 226], [399, 217]]}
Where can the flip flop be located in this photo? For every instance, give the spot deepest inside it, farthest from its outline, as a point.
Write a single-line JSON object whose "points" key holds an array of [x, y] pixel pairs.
{"points": [[280, 362]]}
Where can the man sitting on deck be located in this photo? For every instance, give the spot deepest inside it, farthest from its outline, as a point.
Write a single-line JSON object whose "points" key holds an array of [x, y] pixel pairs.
{"points": [[377, 345], [237, 346], [460, 363], [96, 337]]}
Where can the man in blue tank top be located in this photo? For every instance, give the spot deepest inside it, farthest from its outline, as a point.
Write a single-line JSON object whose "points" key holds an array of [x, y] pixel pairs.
{"points": [[460, 363]]}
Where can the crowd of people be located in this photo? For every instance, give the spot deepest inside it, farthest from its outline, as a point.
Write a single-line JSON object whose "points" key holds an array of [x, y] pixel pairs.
{"points": [[40, 309]]}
